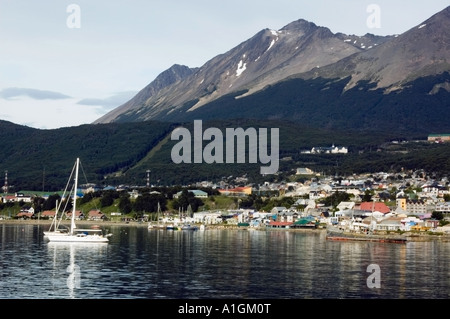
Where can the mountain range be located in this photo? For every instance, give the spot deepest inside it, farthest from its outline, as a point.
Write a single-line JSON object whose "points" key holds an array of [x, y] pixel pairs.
{"points": [[318, 88], [304, 72]]}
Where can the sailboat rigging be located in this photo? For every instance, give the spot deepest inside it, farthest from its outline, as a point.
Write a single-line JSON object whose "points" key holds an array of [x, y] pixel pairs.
{"points": [[74, 234], [158, 225]]}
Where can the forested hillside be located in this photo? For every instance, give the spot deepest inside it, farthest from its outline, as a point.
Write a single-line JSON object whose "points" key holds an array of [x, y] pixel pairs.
{"points": [[122, 153]]}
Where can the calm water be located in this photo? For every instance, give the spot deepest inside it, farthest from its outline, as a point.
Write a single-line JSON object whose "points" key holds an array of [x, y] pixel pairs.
{"points": [[161, 264]]}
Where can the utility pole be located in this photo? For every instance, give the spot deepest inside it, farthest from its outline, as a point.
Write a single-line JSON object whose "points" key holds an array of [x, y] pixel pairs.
{"points": [[43, 180], [5, 187]]}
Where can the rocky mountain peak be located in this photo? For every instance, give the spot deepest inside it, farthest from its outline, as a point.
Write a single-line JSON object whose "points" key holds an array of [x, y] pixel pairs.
{"points": [[301, 49], [300, 25]]}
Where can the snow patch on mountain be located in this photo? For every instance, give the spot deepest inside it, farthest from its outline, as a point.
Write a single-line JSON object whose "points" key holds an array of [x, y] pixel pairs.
{"points": [[241, 67]]}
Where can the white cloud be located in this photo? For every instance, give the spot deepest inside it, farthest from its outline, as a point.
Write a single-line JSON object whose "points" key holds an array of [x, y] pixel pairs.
{"points": [[111, 101], [49, 114], [10, 93]]}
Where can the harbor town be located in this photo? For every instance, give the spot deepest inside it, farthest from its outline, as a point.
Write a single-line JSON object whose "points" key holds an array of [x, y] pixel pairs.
{"points": [[408, 203]]}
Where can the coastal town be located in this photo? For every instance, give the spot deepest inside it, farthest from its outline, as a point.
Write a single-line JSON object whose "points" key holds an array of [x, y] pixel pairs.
{"points": [[382, 202]]}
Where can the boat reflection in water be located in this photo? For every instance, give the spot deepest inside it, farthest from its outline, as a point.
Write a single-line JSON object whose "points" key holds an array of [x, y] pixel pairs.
{"points": [[70, 261]]}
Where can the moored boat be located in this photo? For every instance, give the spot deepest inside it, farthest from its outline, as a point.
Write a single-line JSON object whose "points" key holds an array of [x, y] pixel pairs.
{"points": [[93, 235], [334, 233]]}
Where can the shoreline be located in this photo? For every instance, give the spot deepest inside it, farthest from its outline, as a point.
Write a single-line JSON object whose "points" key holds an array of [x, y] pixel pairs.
{"points": [[102, 223], [411, 237]]}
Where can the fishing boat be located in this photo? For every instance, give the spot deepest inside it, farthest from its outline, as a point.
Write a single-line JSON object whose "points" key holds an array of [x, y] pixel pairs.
{"points": [[93, 235]]}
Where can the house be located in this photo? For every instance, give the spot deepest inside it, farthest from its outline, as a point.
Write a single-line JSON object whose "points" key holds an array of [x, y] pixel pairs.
{"points": [[23, 197], [345, 205], [89, 187], [416, 207], [24, 215], [48, 214], [354, 213], [96, 214], [443, 207], [305, 222], [207, 217], [237, 191], [288, 216], [375, 206], [78, 215], [197, 193], [317, 194], [434, 189], [390, 224], [329, 150], [275, 224], [304, 171], [278, 210], [432, 223]]}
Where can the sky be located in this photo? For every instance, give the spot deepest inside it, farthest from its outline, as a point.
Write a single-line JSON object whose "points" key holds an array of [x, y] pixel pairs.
{"points": [[67, 63]]}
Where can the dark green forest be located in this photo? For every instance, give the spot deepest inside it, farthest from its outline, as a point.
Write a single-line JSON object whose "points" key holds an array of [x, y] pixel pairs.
{"points": [[122, 153]]}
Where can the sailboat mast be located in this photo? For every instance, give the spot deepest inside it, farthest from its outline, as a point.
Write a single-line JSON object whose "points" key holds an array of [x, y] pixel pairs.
{"points": [[157, 214], [73, 226]]}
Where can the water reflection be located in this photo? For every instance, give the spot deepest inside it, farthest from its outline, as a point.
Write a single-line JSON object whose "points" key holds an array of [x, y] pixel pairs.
{"points": [[153, 264], [73, 263]]}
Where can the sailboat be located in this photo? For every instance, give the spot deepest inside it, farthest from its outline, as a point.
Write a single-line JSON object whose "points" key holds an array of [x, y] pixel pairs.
{"points": [[55, 228], [74, 234], [186, 225], [158, 225]]}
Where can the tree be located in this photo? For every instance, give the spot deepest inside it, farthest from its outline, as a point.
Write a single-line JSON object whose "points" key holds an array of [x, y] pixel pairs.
{"points": [[185, 199], [437, 215], [107, 199], [149, 203], [50, 203], [125, 205], [38, 203], [335, 198], [367, 197]]}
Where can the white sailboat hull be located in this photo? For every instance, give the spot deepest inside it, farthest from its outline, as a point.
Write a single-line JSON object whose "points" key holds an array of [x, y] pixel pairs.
{"points": [[78, 238], [55, 233]]}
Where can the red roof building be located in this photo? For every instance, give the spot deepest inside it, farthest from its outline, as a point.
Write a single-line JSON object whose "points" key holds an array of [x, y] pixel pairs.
{"points": [[375, 207], [96, 214], [48, 214]]}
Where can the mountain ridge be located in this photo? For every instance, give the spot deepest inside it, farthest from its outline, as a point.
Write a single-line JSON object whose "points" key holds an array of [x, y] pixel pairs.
{"points": [[301, 72], [267, 57], [421, 51]]}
